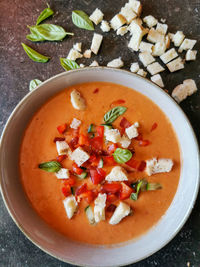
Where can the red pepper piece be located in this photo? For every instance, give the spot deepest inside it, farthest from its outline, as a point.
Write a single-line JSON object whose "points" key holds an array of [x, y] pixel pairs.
{"points": [[111, 148], [88, 196], [76, 169], [70, 181], [124, 123], [62, 128], [100, 131], [58, 139], [111, 198], [96, 91], [139, 137], [97, 175], [111, 188], [60, 158], [154, 126], [66, 190], [133, 163], [97, 143], [111, 208], [117, 102], [109, 160], [125, 191], [142, 166], [74, 142], [144, 142], [81, 189], [83, 140]]}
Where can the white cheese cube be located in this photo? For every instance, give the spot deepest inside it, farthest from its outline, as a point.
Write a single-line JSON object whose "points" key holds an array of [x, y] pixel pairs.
{"points": [[150, 21], [132, 131], [96, 43], [77, 47], [146, 58], [117, 21], [191, 55], [155, 36], [62, 173], [155, 68], [74, 54], [105, 27], [182, 91], [75, 124], [175, 65], [128, 13], [159, 49], [134, 67], [117, 174], [178, 38], [157, 79], [169, 55], [87, 53], [78, 102], [70, 206], [121, 211], [99, 207], [94, 64], [116, 63], [136, 6], [96, 16], [187, 44], [162, 28], [125, 141], [145, 47], [62, 147], [142, 73], [79, 156], [154, 166], [112, 135], [122, 30]]}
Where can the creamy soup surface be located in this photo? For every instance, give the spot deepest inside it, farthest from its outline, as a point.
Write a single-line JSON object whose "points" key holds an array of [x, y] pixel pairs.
{"points": [[43, 189]]}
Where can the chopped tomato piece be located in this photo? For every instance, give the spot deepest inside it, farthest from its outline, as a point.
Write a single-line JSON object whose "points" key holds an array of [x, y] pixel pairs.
{"points": [[111, 198], [93, 158], [73, 143], [144, 142], [136, 164], [111, 148], [96, 91], [58, 139], [111, 208], [76, 169], [111, 188], [81, 189], [88, 196], [97, 143], [66, 190], [109, 160], [142, 166], [139, 137], [154, 126], [100, 131], [62, 128], [61, 158], [124, 123], [97, 175], [125, 191], [70, 181], [83, 140], [117, 102]]}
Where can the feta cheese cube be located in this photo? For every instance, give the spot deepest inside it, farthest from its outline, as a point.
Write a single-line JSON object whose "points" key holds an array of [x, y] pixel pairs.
{"points": [[187, 44], [159, 49], [62, 147], [182, 91], [77, 47], [150, 21], [116, 63], [99, 207], [79, 156], [136, 6], [74, 54], [78, 102], [121, 211], [62, 173], [155, 68], [169, 55], [117, 21], [75, 124], [155, 36], [87, 53], [154, 166], [157, 79], [134, 67], [105, 27], [125, 141], [94, 64], [162, 28], [117, 174], [128, 13], [132, 131], [70, 206], [96, 43], [145, 47], [178, 38], [96, 16], [175, 65], [122, 30], [146, 58], [112, 135], [191, 55], [142, 73]]}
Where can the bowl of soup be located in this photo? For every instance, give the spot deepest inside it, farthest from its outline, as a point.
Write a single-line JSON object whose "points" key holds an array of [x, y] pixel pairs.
{"points": [[99, 167]]}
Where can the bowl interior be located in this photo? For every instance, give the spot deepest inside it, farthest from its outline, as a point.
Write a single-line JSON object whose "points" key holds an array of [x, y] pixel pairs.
{"points": [[56, 244]]}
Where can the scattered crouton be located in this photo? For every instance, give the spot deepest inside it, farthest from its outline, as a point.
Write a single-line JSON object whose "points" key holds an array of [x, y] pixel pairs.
{"points": [[128, 13], [122, 30], [116, 63], [155, 36], [70, 205], [99, 207], [132, 131], [137, 33], [154, 166], [163, 20], [77, 47], [162, 28], [75, 124], [82, 65], [78, 102], [62, 173], [117, 21], [112, 135], [125, 141], [136, 6], [87, 53], [157, 79], [94, 64], [187, 44], [117, 174], [96, 16], [105, 27], [155, 68], [146, 58], [182, 91], [134, 67], [145, 47], [178, 38], [74, 54], [175, 65], [142, 73], [171, 36], [191, 55], [150, 21], [79, 156], [169, 55], [62, 147], [167, 41], [159, 49], [96, 43]]}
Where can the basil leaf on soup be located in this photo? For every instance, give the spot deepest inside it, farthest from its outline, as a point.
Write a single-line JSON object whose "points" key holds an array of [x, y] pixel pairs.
{"points": [[113, 114], [134, 196], [81, 20], [47, 12], [33, 84], [68, 64], [122, 155], [50, 166], [34, 55]]}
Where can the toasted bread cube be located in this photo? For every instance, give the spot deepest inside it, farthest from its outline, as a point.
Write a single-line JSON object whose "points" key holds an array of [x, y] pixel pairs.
{"points": [[171, 36], [125, 141], [191, 55], [167, 41], [96, 43], [99, 207], [78, 102], [150, 21], [178, 38], [77, 47], [74, 54], [117, 21], [142, 73], [62, 147], [82, 65], [94, 64], [146, 58], [182, 91], [75, 124], [137, 33], [163, 20], [155, 36], [116, 63], [134, 67], [157, 79], [62, 173], [112, 135], [169, 55], [145, 47], [162, 28], [117, 174], [128, 13], [175, 65], [136, 6], [121, 211], [79, 156], [132, 131], [155, 68], [96, 16], [187, 44], [70, 206], [191, 86], [122, 30], [87, 53], [154, 166], [105, 27], [159, 49], [136, 21]]}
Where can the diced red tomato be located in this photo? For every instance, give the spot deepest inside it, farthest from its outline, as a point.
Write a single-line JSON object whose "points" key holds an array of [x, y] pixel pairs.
{"points": [[139, 137], [111, 198], [97, 143], [124, 123], [96, 91], [138, 165], [83, 140], [88, 196], [74, 142], [92, 158], [62, 128], [58, 139], [60, 158], [111, 208], [154, 126], [109, 160], [81, 189], [70, 181], [76, 169], [100, 131], [142, 166], [144, 142], [97, 175], [125, 191], [66, 190], [111, 188], [111, 148], [75, 132], [117, 102]]}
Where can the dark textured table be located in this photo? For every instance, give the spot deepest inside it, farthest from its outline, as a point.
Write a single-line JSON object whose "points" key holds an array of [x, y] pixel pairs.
{"points": [[17, 70]]}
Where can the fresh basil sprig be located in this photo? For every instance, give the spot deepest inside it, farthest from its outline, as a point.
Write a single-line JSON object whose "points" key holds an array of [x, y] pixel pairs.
{"points": [[113, 114], [34, 38], [122, 155], [34, 55], [81, 20], [47, 12], [50, 166], [134, 196], [68, 64], [33, 84]]}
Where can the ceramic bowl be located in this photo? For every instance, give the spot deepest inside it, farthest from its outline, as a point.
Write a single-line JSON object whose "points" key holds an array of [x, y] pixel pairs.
{"points": [[54, 243]]}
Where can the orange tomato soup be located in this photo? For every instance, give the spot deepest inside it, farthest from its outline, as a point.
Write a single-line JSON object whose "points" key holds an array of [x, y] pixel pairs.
{"points": [[43, 189]]}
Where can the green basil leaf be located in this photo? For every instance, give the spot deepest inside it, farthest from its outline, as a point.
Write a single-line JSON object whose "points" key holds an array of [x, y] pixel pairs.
{"points": [[49, 32], [33, 84], [47, 12], [34, 55], [134, 196], [50, 166], [113, 114], [153, 186], [122, 155], [68, 64], [34, 38], [81, 20]]}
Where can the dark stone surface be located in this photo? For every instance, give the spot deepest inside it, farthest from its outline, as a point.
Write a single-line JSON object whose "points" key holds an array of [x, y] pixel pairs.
{"points": [[17, 70]]}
